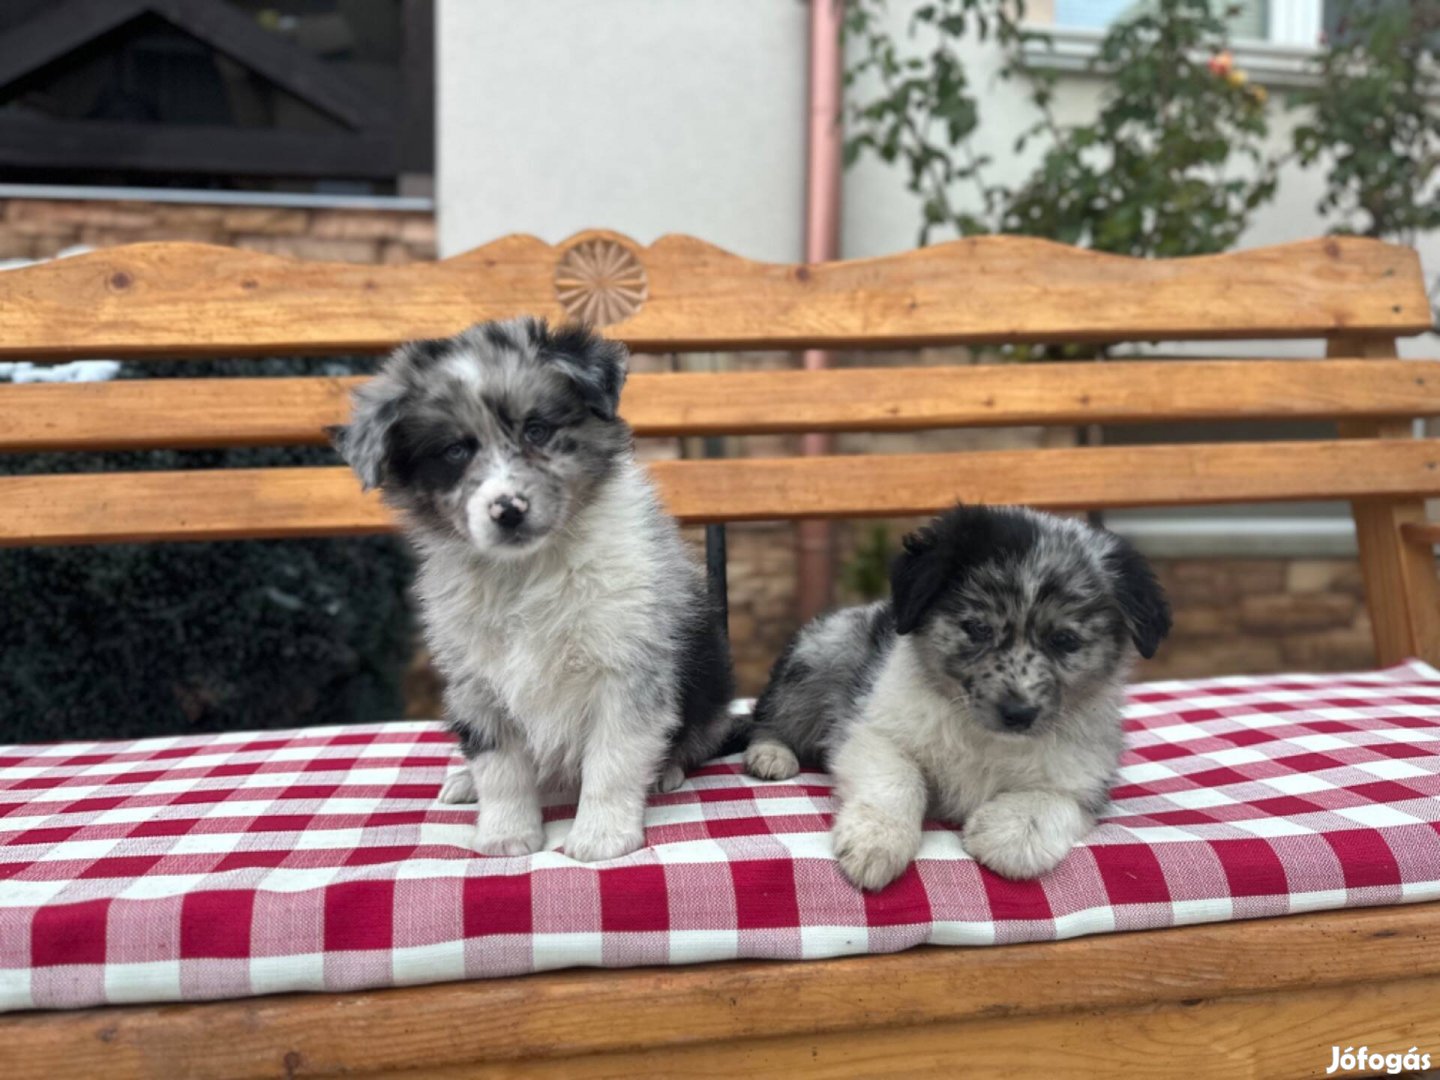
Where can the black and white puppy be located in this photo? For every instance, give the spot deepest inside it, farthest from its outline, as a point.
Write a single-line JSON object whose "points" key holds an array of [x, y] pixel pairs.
{"points": [[987, 690], [574, 633]]}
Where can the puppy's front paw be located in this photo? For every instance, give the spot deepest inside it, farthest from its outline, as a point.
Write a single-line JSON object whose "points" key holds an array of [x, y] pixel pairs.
{"points": [[459, 787], [873, 849], [770, 760], [513, 841], [597, 845], [670, 779], [1022, 835]]}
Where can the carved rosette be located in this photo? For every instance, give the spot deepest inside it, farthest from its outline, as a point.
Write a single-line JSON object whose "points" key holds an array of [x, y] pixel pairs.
{"points": [[600, 282]]}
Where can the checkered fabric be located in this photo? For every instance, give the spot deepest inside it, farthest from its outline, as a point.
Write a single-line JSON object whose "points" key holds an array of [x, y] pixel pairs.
{"points": [[239, 864]]}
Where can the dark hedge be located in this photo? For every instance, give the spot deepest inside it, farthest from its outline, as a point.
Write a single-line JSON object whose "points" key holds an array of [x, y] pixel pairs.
{"points": [[147, 639]]}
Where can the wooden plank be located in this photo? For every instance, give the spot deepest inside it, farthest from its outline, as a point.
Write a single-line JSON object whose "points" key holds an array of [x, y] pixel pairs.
{"points": [[41, 143], [293, 411], [172, 413], [1261, 1037], [1426, 533], [1401, 589], [679, 293], [60, 30], [232, 504], [999, 395], [561, 1016]]}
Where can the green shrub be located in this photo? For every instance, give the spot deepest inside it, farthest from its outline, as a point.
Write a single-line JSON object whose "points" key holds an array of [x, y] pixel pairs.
{"points": [[144, 639], [1173, 163]]}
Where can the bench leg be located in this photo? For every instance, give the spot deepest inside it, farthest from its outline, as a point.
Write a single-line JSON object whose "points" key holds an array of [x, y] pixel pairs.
{"points": [[1401, 588]]}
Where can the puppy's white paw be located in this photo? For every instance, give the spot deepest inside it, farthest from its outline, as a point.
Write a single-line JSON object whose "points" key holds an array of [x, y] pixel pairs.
{"points": [[770, 760], [872, 848], [515, 840], [1022, 835], [596, 845], [671, 778], [459, 787]]}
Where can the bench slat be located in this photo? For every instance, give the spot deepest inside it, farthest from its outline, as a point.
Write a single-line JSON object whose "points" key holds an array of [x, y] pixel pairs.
{"points": [[723, 1009], [172, 413], [179, 299], [253, 503]]}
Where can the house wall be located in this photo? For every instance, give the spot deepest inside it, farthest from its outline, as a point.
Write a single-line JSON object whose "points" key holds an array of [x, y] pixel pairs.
{"points": [[645, 116]]}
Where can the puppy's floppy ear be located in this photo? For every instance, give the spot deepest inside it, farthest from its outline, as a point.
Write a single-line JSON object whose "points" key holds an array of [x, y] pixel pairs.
{"points": [[917, 576], [364, 442], [595, 366], [1142, 601]]}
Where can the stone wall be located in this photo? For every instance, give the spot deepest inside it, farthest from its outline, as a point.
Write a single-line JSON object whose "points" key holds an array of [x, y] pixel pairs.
{"points": [[1232, 615], [41, 228]]}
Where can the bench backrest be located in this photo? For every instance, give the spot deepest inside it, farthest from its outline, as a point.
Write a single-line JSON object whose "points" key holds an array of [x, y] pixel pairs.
{"points": [[176, 300]]}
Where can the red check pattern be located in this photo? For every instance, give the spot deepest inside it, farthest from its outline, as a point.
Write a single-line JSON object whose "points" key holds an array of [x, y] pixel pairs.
{"points": [[239, 864]]}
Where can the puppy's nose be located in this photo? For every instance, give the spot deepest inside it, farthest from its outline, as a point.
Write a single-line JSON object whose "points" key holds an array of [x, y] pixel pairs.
{"points": [[508, 511], [1018, 715]]}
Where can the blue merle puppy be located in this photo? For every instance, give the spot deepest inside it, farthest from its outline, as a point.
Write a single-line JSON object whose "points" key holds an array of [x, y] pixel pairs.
{"points": [[573, 630], [987, 690]]}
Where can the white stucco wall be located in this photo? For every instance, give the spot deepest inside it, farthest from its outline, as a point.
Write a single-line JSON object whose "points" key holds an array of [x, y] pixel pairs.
{"points": [[646, 116]]}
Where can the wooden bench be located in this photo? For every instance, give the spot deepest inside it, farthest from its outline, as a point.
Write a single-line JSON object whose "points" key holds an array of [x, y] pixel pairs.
{"points": [[1260, 999]]}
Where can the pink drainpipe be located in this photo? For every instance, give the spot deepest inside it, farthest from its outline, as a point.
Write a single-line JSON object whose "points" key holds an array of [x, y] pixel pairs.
{"points": [[815, 559]]}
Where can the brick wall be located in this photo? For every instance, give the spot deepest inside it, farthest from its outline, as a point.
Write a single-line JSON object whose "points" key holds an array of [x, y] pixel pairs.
{"points": [[1232, 615], [40, 228]]}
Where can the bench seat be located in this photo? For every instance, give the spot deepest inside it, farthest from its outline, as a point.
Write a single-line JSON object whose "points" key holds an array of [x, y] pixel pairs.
{"points": [[224, 866]]}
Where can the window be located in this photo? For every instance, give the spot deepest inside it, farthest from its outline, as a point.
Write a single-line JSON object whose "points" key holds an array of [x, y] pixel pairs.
{"points": [[1252, 22], [1275, 40], [1300, 24]]}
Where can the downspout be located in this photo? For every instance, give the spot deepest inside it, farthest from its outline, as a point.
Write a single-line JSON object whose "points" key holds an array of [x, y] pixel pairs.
{"points": [[815, 557]]}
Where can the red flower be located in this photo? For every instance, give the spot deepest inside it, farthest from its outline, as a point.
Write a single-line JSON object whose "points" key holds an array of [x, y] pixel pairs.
{"points": [[1221, 63]]}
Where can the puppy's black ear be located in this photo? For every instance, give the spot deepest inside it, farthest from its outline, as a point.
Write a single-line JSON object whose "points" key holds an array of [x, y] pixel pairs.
{"points": [[1142, 601], [364, 442], [595, 365], [917, 577]]}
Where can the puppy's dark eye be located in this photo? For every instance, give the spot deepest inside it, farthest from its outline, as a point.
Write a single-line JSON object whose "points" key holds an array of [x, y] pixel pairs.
{"points": [[457, 453], [977, 631], [536, 432], [1065, 641]]}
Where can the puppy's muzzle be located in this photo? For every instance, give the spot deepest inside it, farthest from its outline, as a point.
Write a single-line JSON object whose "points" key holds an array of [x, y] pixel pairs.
{"points": [[508, 511], [1017, 715]]}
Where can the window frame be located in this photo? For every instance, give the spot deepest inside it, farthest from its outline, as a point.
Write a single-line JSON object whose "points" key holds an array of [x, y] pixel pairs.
{"points": [[1286, 56]]}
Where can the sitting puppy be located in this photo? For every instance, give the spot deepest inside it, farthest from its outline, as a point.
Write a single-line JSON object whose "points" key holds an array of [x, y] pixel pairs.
{"points": [[574, 633], [988, 690]]}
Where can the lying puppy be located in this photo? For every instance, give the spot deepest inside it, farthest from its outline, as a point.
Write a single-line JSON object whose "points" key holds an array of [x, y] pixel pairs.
{"points": [[988, 690], [575, 635]]}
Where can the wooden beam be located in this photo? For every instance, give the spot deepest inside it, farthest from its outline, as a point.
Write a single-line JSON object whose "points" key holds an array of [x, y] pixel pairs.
{"points": [[231, 504], [171, 413], [1426, 533], [1401, 589], [417, 81], [193, 300], [1205, 994], [228, 30], [60, 30], [95, 144], [1259, 1037]]}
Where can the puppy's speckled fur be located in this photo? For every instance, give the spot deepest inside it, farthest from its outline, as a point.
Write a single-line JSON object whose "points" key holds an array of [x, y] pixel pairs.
{"points": [[987, 690], [575, 635]]}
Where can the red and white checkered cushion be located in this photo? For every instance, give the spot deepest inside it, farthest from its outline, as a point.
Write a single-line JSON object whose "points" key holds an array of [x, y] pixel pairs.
{"points": [[239, 864]]}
